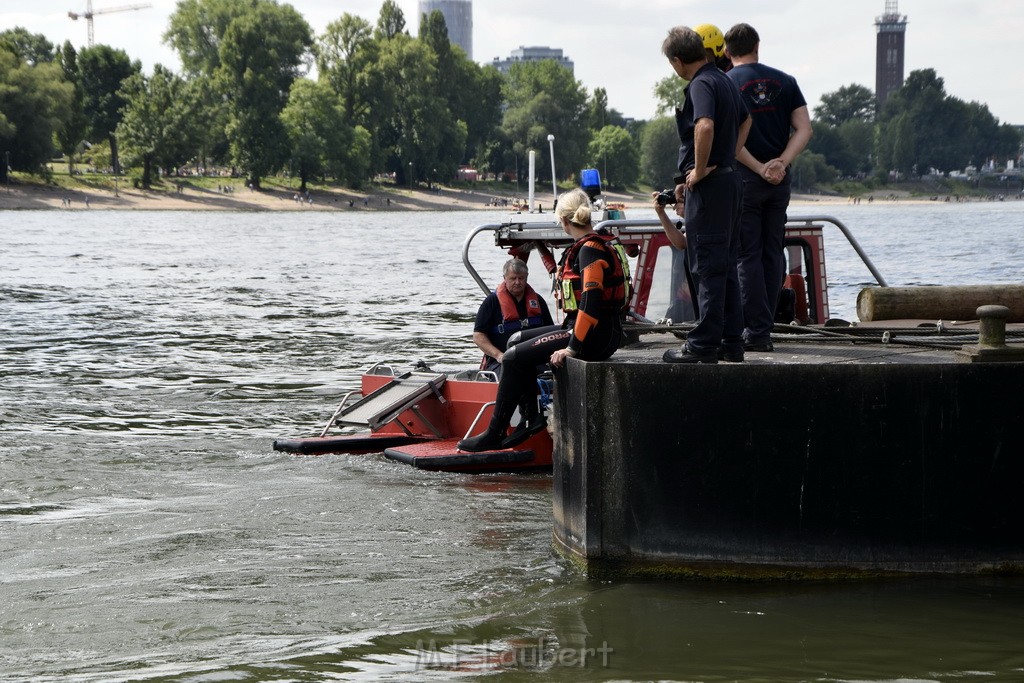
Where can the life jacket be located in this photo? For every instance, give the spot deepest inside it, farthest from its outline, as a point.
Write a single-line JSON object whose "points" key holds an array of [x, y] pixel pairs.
{"points": [[617, 290], [510, 320]]}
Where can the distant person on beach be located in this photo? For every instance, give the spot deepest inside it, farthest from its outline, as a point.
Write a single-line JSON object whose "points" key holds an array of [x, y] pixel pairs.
{"points": [[780, 131], [712, 125], [512, 307], [593, 288]]}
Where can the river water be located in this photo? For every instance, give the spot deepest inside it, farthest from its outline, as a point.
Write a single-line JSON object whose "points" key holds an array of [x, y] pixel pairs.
{"points": [[148, 531]]}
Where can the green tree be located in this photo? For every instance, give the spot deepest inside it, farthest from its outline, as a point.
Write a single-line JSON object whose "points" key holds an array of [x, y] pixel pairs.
{"points": [[261, 53], [103, 70], [659, 153], [986, 138], [600, 114], [343, 54], [434, 34], [316, 127], [828, 142], [613, 151], [33, 48], [850, 103], [471, 93], [545, 99], [390, 22], [71, 135], [859, 139], [157, 122], [206, 116], [34, 103], [196, 30], [670, 93], [923, 128], [414, 125], [599, 109], [810, 170], [480, 105]]}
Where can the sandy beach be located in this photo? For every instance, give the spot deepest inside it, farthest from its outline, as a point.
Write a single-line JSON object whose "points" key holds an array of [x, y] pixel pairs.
{"points": [[192, 198]]}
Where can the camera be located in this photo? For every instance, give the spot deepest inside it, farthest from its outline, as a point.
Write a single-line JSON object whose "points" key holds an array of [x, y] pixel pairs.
{"points": [[666, 197]]}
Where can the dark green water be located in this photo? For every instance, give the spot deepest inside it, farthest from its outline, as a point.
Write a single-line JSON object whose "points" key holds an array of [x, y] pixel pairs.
{"points": [[148, 531]]}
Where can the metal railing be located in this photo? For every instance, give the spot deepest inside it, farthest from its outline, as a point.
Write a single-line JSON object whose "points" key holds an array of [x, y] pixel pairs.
{"points": [[626, 226]]}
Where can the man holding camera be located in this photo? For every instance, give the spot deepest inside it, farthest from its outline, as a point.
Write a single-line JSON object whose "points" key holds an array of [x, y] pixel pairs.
{"points": [[713, 125]]}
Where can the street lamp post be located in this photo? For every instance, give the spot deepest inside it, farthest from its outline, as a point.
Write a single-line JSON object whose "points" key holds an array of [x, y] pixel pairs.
{"points": [[554, 186], [7, 169], [410, 176]]}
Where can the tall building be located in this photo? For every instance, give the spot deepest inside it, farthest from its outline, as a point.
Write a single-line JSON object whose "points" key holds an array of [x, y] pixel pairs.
{"points": [[533, 54], [458, 16], [892, 29]]}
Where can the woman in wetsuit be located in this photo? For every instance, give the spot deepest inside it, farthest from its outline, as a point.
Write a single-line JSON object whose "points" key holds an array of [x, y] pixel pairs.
{"points": [[592, 288]]}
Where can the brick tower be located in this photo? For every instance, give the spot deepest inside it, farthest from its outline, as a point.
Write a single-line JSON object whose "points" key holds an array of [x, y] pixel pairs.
{"points": [[892, 29]]}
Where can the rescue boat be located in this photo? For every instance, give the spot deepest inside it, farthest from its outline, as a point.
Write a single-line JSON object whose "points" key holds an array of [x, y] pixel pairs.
{"points": [[417, 415]]}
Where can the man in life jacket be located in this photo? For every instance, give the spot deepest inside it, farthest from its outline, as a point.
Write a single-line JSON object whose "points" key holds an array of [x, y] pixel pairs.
{"points": [[512, 307]]}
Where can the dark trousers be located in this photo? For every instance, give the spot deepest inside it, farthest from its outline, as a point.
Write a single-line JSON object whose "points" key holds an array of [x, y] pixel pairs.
{"points": [[762, 261], [535, 346], [712, 214]]}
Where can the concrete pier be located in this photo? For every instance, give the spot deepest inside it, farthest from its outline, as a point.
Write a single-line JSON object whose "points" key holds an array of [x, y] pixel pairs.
{"points": [[810, 462]]}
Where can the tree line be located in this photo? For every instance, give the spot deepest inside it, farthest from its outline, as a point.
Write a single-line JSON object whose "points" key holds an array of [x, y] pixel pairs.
{"points": [[921, 130], [415, 108], [382, 102]]}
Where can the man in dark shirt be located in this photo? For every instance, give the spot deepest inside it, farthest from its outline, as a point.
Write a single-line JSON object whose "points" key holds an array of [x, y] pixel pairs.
{"points": [[713, 125], [512, 307], [780, 131]]}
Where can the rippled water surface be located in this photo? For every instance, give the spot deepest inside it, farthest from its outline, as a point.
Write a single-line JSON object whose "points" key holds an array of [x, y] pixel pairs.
{"points": [[149, 532]]}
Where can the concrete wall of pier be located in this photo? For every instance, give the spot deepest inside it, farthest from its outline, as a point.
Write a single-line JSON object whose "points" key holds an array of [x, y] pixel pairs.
{"points": [[777, 470]]}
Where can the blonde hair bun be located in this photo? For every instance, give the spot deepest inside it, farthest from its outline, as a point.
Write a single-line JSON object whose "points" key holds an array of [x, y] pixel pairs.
{"points": [[574, 206]]}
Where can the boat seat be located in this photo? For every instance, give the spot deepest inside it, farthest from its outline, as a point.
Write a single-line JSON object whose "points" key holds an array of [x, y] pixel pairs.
{"points": [[384, 405]]}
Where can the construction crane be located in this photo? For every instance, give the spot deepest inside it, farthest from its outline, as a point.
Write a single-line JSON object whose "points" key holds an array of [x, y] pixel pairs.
{"points": [[89, 13]]}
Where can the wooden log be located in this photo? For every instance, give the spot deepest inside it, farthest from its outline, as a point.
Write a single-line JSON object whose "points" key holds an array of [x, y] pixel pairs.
{"points": [[938, 303]]}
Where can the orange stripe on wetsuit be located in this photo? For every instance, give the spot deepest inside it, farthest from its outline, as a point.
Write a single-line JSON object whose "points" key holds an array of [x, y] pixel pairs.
{"points": [[593, 286]]}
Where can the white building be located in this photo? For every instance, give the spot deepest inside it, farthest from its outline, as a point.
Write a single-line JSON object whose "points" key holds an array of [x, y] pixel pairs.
{"points": [[533, 54]]}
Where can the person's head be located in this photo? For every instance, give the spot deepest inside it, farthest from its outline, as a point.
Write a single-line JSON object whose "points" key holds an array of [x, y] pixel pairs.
{"points": [[573, 209], [741, 40], [514, 273], [684, 48], [714, 41]]}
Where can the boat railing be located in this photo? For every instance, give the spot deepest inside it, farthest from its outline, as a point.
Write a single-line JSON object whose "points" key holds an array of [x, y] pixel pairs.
{"points": [[643, 225], [793, 220]]}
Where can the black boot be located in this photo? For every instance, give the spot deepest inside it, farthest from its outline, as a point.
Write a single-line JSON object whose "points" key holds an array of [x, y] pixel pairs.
{"points": [[532, 422], [490, 439]]}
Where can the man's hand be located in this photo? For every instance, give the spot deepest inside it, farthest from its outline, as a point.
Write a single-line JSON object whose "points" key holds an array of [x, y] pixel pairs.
{"points": [[774, 171], [693, 176]]}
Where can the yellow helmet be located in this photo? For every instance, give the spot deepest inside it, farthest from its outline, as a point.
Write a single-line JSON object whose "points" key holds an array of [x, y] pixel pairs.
{"points": [[713, 38]]}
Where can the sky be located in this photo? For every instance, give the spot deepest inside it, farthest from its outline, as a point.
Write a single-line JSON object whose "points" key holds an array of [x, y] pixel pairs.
{"points": [[616, 44]]}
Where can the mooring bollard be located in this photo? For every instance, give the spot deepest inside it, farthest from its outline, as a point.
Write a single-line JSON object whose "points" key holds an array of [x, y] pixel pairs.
{"points": [[991, 345], [992, 325]]}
